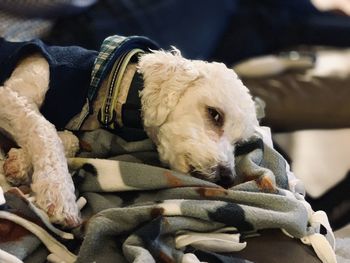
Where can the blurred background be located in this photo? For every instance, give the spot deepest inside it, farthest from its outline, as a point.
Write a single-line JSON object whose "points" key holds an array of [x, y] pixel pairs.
{"points": [[292, 54]]}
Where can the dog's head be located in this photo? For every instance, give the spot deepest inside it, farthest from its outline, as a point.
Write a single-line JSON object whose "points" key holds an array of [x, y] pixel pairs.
{"points": [[195, 112]]}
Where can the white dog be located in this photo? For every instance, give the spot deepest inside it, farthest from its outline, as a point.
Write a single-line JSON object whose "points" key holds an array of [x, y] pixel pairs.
{"points": [[194, 111]]}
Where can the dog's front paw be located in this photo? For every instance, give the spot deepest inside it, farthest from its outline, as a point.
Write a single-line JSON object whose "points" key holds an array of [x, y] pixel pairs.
{"points": [[57, 199], [68, 217], [17, 167], [70, 143]]}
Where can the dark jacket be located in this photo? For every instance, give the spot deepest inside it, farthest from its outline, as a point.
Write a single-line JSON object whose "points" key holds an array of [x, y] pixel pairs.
{"points": [[70, 72]]}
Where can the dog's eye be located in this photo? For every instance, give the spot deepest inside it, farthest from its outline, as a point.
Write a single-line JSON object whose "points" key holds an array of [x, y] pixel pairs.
{"points": [[215, 116]]}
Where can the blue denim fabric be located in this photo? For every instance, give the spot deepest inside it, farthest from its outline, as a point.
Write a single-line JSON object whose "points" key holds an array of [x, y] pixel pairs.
{"points": [[225, 30], [192, 26], [265, 26]]}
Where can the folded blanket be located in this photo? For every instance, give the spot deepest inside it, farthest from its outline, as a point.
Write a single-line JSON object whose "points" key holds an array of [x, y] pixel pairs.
{"points": [[137, 212]]}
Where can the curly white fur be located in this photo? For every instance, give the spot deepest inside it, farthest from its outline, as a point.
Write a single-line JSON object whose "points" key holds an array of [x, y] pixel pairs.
{"points": [[18, 164], [23, 93], [178, 101], [175, 100], [18, 167]]}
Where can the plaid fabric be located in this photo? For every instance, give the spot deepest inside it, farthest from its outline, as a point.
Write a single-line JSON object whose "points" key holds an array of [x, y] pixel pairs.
{"points": [[112, 49], [103, 60], [111, 110]]}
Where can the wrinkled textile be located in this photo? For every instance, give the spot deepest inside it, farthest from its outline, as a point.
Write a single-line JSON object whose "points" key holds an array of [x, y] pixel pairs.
{"points": [[137, 212]]}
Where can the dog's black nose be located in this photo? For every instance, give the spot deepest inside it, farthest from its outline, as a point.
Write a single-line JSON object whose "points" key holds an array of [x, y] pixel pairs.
{"points": [[225, 175]]}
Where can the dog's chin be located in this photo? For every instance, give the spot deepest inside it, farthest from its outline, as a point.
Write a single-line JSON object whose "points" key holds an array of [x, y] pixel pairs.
{"points": [[179, 158]]}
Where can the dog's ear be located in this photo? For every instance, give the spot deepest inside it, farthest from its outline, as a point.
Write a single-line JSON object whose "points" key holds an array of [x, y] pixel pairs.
{"points": [[166, 77]]}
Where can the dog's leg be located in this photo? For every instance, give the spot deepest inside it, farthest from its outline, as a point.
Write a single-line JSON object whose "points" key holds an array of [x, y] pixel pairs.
{"points": [[21, 98], [18, 165], [51, 180]]}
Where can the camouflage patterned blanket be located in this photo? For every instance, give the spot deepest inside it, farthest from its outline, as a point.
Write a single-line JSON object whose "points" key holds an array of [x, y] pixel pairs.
{"points": [[137, 211]]}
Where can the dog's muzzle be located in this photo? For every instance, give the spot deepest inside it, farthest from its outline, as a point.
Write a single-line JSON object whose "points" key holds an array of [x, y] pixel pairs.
{"points": [[223, 175]]}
